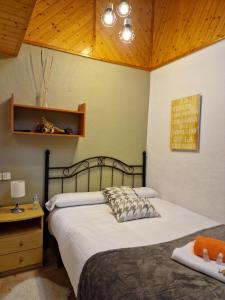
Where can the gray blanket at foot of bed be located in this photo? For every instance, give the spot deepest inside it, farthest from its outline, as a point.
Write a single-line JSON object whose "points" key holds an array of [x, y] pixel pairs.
{"points": [[148, 272]]}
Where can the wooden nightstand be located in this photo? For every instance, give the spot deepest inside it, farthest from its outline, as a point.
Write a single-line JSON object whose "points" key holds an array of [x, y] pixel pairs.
{"points": [[21, 239]]}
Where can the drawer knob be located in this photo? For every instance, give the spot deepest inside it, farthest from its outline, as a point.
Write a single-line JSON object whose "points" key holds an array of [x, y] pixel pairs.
{"points": [[20, 260], [21, 244]]}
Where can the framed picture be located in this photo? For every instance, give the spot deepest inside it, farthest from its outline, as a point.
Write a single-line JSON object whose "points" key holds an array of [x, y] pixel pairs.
{"points": [[185, 123]]}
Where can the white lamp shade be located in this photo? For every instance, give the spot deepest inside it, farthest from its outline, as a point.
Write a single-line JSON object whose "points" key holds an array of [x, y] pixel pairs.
{"points": [[17, 189]]}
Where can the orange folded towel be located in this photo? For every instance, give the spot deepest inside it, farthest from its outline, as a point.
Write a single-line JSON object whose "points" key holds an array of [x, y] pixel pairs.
{"points": [[213, 246]]}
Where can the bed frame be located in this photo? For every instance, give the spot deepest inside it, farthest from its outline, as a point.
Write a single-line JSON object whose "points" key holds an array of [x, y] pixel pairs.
{"points": [[85, 167]]}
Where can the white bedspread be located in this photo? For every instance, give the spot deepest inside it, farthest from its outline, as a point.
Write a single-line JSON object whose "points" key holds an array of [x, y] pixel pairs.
{"points": [[83, 231]]}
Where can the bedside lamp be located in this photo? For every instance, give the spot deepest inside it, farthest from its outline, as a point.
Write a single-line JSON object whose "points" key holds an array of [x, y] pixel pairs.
{"points": [[17, 191]]}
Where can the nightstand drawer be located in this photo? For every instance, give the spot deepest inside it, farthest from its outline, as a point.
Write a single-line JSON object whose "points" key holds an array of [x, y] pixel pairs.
{"points": [[20, 259], [21, 242]]}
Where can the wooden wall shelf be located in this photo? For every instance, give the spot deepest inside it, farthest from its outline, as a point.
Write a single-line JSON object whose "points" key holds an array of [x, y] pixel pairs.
{"points": [[26, 117]]}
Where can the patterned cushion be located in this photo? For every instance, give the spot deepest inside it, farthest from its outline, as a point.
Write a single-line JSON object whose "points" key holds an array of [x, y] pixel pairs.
{"points": [[126, 205], [116, 193]]}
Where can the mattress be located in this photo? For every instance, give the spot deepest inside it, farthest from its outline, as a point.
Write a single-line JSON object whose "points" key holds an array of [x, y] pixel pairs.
{"points": [[83, 231]]}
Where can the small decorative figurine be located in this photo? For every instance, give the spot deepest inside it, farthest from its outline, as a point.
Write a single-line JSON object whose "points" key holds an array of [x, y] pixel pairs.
{"points": [[48, 127]]}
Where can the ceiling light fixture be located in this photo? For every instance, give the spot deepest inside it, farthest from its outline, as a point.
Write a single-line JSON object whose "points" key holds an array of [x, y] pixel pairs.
{"points": [[127, 34], [109, 17], [124, 9]]}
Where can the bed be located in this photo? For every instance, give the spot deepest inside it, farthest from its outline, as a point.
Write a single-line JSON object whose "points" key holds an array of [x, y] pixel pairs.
{"points": [[105, 259]]}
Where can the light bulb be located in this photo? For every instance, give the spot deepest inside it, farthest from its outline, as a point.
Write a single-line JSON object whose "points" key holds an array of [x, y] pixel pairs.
{"points": [[123, 9], [126, 34], [109, 17]]}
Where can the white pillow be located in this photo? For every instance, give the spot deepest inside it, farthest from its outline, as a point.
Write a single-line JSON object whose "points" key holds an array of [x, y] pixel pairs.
{"points": [[75, 199], [87, 198], [146, 192]]}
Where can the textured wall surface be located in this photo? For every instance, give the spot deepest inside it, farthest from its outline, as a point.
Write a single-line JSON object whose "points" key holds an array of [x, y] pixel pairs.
{"points": [[192, 179], [117, 105]]}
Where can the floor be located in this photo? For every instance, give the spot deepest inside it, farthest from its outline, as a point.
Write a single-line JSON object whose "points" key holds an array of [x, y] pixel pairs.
{"points": [[49, 271]]}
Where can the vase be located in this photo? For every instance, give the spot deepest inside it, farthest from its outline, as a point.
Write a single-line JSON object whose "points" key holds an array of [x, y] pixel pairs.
{"points": [[44, 102], [38, 100]]}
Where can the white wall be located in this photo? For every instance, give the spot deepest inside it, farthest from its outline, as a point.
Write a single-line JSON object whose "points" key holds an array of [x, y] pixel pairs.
{"points": [[193, 180]]}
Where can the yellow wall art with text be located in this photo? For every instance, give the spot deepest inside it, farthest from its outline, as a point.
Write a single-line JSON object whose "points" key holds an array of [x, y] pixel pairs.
{"points": [[185, 123]]}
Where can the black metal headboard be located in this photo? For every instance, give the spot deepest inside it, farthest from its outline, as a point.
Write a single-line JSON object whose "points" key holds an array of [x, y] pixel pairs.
{"points": [[87, 165]]}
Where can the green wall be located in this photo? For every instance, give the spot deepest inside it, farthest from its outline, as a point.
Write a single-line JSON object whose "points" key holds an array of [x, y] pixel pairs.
{"points": [[117, 108]]}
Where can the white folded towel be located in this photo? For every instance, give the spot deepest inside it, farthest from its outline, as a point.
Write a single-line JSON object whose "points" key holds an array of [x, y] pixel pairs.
{"points": [[186, 256]]}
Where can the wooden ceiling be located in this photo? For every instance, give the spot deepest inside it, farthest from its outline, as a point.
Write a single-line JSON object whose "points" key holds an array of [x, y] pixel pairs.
{"points": [[165, 29], [75, 27], [14, 18], [184, 26]]}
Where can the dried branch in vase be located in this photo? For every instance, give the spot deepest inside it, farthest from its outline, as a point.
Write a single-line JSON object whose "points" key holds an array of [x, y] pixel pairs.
{"points": [[41, 78]]}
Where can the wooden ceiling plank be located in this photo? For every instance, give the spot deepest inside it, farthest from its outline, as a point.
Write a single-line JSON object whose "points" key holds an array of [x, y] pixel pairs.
{"points": [[181, 36], [13, 11], [50, 28], [9, 35], [67, 28], [75, 37], [220, 28], [14, 17], [187, 20], [201, 23], [61, 39], [160, 31], [78, 44], [107, 50], [32, 2], [212, 27], [13, 22], [22, 2], [41, 6], [7, 49], [14, 6], [49, 14], [8, 44], [12, 29], [6, 39]]}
